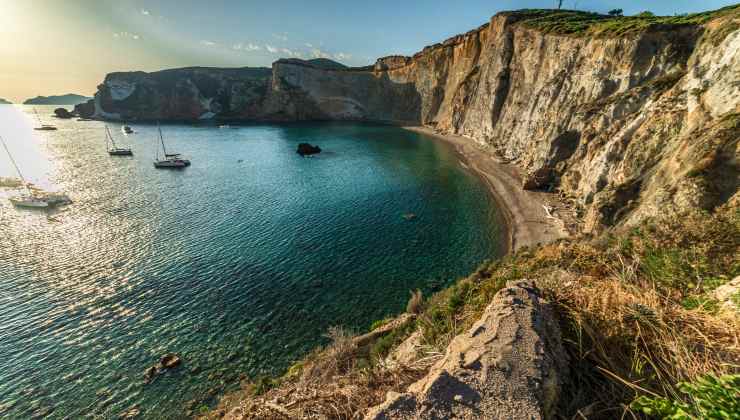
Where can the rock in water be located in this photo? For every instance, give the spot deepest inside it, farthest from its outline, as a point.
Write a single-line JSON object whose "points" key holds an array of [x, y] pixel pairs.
{"points": [[305, 149], [63, 113], [170, 360]]}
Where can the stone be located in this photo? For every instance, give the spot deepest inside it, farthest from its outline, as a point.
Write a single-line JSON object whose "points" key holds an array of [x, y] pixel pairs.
{"points": [[305, 149], [170, 360], [63, 113], [511, 364]]}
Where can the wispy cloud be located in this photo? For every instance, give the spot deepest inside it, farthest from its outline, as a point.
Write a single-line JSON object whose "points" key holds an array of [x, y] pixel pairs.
{"points": [[271, 49], [282, 37], [246, 47], [207, 43], [145, 12], [125, 35], [343, 56], [291, 53], [308, 44]]}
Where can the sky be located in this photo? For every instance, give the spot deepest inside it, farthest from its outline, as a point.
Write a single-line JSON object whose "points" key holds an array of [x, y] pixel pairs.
{"points": [[68, 46]]}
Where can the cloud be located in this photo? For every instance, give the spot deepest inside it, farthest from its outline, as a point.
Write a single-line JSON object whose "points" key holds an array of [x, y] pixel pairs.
{"points": [[125, 35], [271, 49], [342, 56], [207, 43], [317, 53], [246, 47], [145, 12], [309, 45], [282, 37], [291, 53]]}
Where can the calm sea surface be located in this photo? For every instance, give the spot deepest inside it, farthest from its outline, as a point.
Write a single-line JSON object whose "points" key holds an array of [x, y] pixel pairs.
{"points": [[239, 263]]}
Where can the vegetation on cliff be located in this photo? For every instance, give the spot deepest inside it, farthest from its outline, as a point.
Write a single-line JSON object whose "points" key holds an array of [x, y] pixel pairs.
{"points": [[642, 329], [580, 23]]}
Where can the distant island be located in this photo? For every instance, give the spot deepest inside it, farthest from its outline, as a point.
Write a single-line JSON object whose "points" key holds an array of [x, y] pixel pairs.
{"points": [[4, 102], [68, 99]]}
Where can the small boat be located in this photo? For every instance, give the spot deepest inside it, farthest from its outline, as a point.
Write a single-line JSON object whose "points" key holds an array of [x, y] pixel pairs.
{"points": [[114, 150], [224, 126], [126, 129], [170, 160], [42, 127], [27, 198]]}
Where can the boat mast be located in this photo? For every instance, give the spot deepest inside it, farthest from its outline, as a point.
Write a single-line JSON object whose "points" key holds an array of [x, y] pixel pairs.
{"points": [[38, 118], [110, 136], [161, 140], [23, 180]]}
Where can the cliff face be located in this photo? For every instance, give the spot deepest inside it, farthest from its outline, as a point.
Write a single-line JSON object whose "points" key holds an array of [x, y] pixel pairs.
{"points": [[625, 126]]}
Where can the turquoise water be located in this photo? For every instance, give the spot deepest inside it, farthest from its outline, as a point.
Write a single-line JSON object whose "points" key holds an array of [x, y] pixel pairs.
{"points": [[239, 263]]}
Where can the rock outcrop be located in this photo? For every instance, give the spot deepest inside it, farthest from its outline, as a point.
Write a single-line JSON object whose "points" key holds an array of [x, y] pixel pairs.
{"points": [[305, 149], [509, 365], [625, 125]]}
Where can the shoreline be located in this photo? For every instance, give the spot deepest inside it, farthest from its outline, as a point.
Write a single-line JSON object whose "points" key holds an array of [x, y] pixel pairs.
{"points": [[525, 221]]}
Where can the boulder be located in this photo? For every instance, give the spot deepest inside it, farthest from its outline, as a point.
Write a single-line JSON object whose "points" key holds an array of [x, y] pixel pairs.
{"points": [[509, 365], [63, 113], [305, 149], [86, 110], [170, 360]]}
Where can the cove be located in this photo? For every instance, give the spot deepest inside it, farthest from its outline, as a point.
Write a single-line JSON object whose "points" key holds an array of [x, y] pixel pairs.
{"points": [[239, 263]]}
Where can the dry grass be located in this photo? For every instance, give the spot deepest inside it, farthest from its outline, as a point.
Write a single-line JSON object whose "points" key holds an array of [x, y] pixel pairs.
{"points": [[414, 304], [628, 307]]}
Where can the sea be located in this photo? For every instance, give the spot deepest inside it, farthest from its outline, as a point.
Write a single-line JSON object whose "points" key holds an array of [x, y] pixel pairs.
{"points": [[239, 263]]}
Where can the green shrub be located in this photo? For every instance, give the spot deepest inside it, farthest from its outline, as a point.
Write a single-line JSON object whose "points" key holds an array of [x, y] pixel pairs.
{"points": [[708, 397]]}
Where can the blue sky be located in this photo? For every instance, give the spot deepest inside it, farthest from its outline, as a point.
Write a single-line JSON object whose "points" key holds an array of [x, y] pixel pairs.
{"points": [[68, 46]]}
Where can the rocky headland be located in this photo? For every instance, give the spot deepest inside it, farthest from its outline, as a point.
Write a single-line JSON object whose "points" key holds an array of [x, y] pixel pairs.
{"points": [[610, 142]]}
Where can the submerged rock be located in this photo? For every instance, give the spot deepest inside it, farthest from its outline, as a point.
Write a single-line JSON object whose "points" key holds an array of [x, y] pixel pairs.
{"points": [[170, 360], [305, 149]]}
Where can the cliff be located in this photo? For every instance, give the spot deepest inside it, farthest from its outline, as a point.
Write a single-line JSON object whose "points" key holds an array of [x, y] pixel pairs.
{"points": [[627, 118], [635, 122]]}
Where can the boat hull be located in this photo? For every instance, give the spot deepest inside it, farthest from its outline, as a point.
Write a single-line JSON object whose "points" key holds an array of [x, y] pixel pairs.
{"points": [[29, 202], [120, 152], [171, 164]]}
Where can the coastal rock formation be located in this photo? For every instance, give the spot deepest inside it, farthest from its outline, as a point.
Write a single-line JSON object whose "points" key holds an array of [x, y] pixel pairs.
{"points": [[63, 113], [509, 365], [624, 125], [305, 149]]}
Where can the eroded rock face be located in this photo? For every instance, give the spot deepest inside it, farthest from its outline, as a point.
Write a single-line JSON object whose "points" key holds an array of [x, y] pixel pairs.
{"points": [[612, 121], [509, 365]]}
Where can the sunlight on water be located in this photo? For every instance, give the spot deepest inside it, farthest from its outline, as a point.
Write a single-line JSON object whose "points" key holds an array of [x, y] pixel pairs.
{"points": [[238, 263]]}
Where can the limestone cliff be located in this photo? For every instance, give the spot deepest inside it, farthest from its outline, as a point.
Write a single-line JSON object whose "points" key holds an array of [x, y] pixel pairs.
{"points": [[626, 124]]}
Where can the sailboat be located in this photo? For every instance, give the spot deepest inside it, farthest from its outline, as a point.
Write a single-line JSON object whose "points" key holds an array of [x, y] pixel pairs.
{"points": [[26, 199], [42, 127], [170, 160], [114, 150]]}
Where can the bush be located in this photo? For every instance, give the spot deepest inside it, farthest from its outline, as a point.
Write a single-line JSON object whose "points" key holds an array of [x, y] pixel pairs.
{"points": [[616, 12], [708, 397]]}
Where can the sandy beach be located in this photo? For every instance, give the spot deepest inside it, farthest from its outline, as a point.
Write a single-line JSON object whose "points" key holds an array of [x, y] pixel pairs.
{"points": [[527, 222]]}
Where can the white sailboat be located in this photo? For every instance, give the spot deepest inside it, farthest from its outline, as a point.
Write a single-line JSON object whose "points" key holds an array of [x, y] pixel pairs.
{"points": [[27, 198], [114, 150], [42, 127], [170, 160]]}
